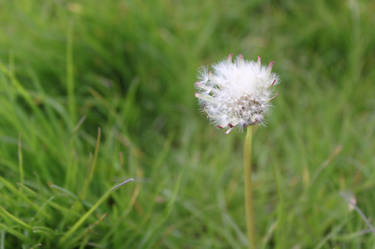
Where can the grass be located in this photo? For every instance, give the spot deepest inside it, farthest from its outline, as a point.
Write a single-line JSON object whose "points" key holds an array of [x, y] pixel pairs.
{"points": [[95, 92]]}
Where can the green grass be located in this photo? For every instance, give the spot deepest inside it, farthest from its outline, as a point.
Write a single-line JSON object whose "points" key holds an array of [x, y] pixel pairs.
{"points": [[95, 92]]}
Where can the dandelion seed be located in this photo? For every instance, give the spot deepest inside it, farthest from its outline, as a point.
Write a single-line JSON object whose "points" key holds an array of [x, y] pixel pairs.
{"points": [[236, 93]]}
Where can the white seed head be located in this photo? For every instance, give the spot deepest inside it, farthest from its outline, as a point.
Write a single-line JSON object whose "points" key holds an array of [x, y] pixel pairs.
{"points": [[236, 93]]}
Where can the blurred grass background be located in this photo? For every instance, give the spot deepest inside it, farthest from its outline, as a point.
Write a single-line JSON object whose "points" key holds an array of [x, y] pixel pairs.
{"points": [[94, 92]]}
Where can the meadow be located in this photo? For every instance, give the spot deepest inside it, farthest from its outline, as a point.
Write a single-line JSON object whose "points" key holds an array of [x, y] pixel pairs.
{"points": [[96, 92]]}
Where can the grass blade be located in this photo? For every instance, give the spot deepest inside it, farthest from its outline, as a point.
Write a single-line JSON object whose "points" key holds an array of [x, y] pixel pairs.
{"points": [[91, 210]]}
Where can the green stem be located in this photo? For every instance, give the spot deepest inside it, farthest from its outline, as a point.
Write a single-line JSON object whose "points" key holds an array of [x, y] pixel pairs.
{"points": [[249, 205]]}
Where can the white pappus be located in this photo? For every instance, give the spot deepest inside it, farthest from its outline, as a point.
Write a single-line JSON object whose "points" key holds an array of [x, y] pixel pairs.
{"points": [[236, 93]]}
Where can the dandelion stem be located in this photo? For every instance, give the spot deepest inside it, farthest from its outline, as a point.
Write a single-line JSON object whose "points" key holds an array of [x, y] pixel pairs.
{"points": [[249, 206]]}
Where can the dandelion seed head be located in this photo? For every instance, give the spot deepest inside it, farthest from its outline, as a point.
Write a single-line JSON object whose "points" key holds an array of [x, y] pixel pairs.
{"points": [[236, 93]]}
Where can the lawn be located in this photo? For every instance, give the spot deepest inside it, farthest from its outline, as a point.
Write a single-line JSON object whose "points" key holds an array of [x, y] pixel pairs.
{"points": [[93, 93]]}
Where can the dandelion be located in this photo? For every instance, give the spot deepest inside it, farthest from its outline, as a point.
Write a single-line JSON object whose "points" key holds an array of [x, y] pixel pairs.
{"points": [[238, 94]]}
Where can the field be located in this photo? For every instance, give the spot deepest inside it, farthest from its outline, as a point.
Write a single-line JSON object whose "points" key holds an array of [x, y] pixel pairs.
{"points": [[96, 92]]}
